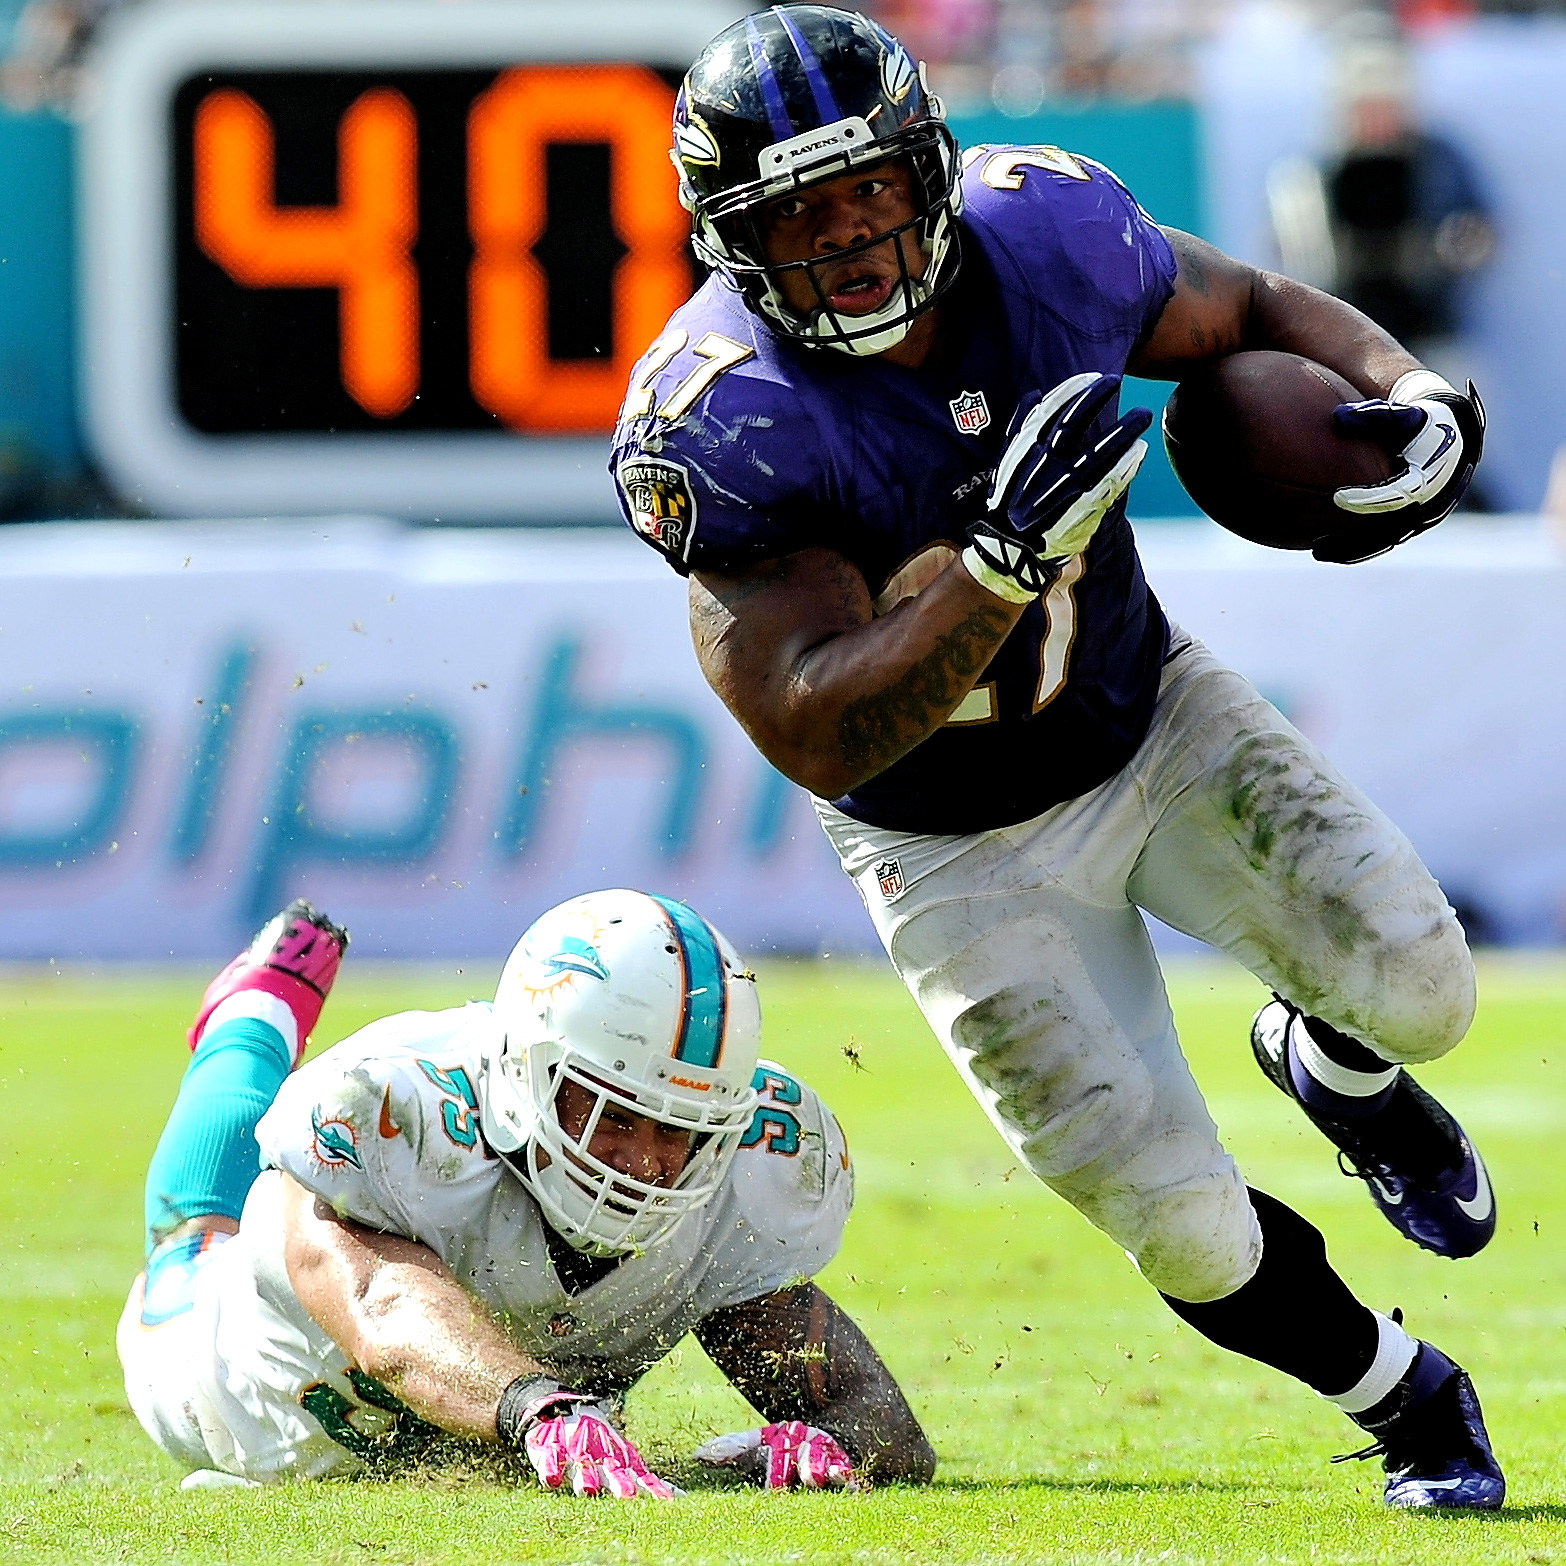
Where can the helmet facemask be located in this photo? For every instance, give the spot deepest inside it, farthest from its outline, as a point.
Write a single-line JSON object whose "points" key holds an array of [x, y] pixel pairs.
{"points": [[593, 1206], [728, 238]]}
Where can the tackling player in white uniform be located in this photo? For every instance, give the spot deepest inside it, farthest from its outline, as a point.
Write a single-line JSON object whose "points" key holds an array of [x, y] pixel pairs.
{"points": [[489, 1222]]}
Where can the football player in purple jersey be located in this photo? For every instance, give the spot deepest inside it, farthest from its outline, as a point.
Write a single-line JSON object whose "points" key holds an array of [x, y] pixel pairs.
{"points": [[883, 443]]}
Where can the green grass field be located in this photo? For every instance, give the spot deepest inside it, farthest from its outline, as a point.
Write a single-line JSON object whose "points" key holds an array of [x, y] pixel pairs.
{"points": [[1075, 1419]]}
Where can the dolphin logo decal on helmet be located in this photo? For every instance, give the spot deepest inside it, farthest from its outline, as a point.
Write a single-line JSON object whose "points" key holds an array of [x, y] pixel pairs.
{"points": [[576, 956]]}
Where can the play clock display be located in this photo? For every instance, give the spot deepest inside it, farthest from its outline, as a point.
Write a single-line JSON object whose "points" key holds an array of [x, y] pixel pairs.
{"points": [[381, 256]]}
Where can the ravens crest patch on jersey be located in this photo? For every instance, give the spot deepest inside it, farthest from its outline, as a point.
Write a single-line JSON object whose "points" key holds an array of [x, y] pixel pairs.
{"points": [[659, 499]]}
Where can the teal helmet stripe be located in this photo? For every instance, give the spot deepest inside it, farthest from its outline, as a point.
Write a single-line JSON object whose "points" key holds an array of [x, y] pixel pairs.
{"points": [[705, 1011]]}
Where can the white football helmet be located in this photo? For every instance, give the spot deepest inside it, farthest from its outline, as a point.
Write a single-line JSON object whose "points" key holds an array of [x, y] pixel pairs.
{"points": [[641, 1002]]}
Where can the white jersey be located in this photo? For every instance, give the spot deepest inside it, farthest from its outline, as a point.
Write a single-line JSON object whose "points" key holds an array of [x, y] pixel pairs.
{"points": [[385, 1127]]}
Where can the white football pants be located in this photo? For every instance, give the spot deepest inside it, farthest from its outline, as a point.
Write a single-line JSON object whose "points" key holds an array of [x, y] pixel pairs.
{"points": [[1024, 950]]}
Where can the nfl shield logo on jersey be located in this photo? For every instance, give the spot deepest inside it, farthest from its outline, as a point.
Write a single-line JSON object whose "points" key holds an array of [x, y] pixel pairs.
{"points": [[890, 874], [658, 496], [970, 412]]}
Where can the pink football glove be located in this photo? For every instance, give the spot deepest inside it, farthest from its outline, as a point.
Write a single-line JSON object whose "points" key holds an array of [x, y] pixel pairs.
{"points": [[595, 1455], [781, 1456]]}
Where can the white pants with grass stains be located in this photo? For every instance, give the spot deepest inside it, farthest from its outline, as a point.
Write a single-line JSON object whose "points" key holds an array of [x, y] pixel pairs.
{"points": [[1025, 951]]}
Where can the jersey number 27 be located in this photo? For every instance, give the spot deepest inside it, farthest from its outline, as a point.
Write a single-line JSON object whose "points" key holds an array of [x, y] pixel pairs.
{"points": [[1060, 614]]}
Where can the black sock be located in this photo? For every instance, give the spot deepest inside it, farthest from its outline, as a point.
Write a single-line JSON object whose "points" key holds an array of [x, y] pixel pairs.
{"points": [[1295, 1314]]}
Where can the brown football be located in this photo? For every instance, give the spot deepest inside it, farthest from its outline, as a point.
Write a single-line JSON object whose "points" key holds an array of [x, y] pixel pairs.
{"points": [[1253, 443]]}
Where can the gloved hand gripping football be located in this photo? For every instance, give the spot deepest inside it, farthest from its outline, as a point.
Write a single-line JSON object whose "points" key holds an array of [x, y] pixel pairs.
{"points": [[1438, 432], [1055, 483], [782, 1456]]}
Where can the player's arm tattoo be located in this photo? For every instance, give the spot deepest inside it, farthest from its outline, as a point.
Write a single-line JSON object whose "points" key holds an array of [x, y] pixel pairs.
{"points": [[1205, 316], [796, 1355], [876, 729], [768, 574], [831, 693]]}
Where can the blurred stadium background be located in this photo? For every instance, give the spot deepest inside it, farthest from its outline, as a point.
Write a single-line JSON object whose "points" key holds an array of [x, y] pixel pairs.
{"points": [[310, 579]]}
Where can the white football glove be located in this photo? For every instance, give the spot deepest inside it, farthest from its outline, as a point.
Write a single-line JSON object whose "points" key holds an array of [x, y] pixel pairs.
{"points": [[782, 1456], [1439, 434], [597, 1459], [1055, 483]]}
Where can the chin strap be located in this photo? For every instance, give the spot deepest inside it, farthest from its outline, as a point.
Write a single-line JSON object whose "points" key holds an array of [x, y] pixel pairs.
{"points": [[816, 330]]}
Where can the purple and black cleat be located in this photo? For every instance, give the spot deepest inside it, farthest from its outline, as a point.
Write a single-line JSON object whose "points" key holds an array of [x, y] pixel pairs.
{"points": [[1433, 1445]]}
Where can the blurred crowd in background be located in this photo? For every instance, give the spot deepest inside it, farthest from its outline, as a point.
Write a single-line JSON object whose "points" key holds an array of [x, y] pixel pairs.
{"points": [[1407, 156], [1012, 54], [1334, 225], [1017, 54]]}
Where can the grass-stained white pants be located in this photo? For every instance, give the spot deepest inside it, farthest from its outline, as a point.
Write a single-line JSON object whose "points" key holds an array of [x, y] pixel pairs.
{"points": [[1024, 950]]}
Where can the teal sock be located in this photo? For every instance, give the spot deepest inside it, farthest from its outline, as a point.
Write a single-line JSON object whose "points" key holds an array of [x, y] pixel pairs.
{"points": [[207, 1159]]}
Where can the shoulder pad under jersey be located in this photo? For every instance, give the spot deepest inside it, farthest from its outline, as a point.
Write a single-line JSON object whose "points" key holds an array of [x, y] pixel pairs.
{"points": [[793, 1189], [719, 456], [1076, 238], [385, 1121]]}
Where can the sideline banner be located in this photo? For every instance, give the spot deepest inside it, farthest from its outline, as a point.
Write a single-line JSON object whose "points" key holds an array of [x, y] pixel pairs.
{"points": [[438, 734], [434, 735]]}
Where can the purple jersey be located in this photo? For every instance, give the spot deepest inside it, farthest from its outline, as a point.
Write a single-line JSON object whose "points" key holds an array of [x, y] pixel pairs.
{"points": [[735, 446]]}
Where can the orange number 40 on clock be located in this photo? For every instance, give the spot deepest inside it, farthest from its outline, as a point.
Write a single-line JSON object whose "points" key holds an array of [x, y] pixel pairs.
{"points": [[364, 246]]}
